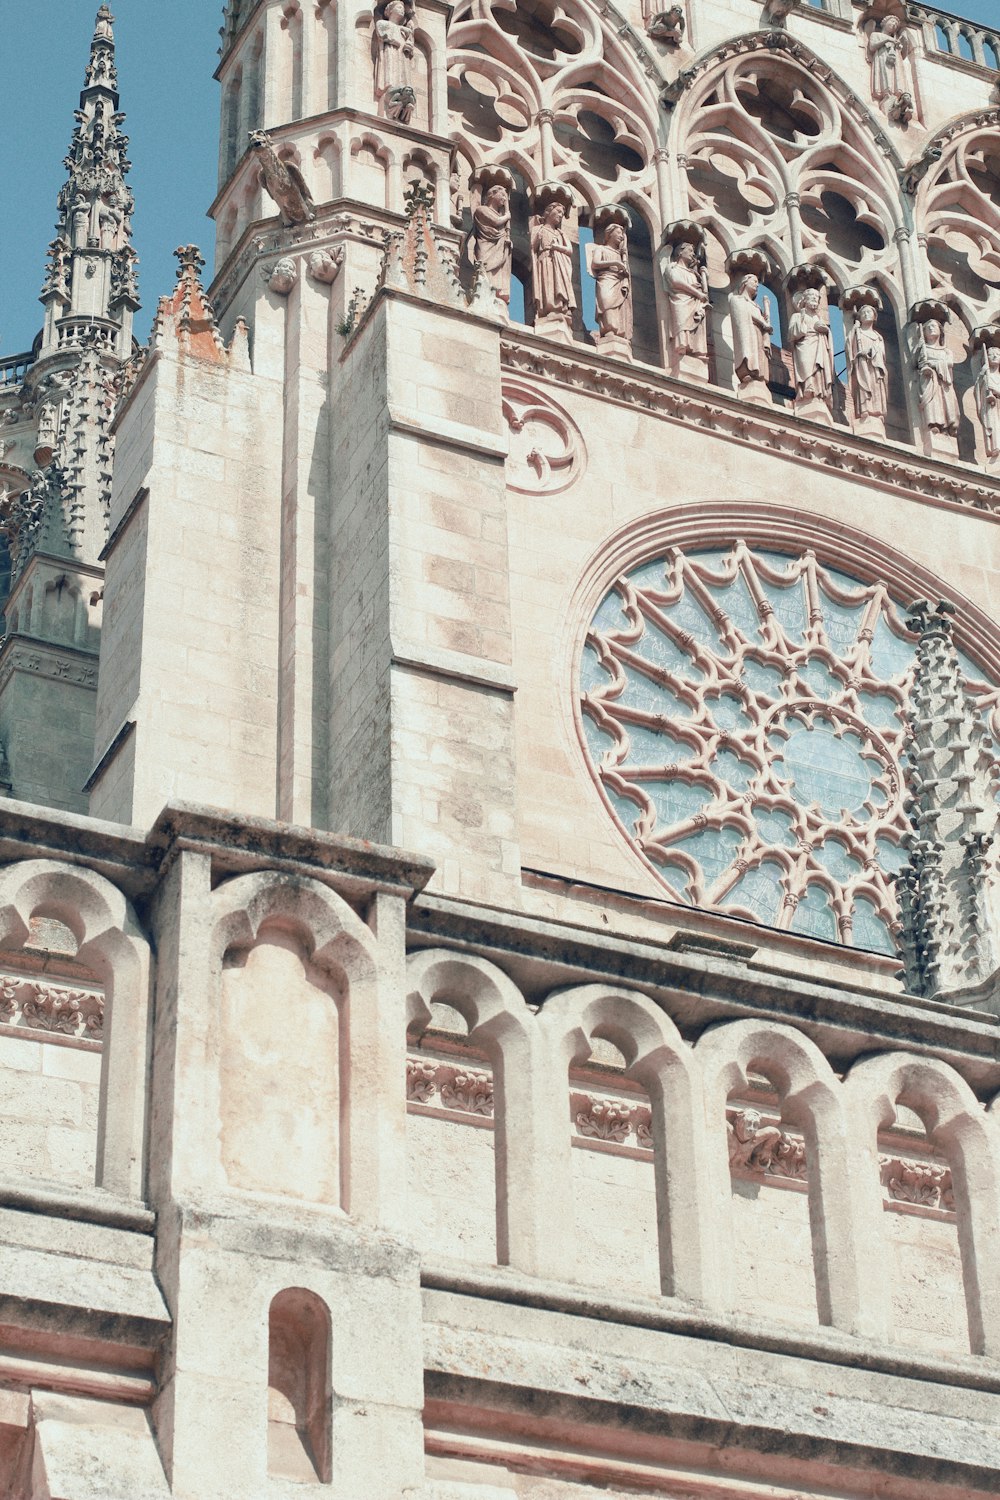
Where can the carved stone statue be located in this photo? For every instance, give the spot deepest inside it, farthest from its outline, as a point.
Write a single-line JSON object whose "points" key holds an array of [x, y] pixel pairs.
{"points": [[552, 269], [935, 366], [812, 353], [687, 295], [81, 221], [664, 24], [607, 262], [283, 181], [394, 47], [888, 46], [490, 246], [752, 332], [110, 221], [988, 400], [868, 376]]}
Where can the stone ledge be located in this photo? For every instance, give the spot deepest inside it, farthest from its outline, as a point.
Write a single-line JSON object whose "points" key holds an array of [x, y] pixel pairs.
{"points": [[505, 1288], [542, 954], [457, 665]]}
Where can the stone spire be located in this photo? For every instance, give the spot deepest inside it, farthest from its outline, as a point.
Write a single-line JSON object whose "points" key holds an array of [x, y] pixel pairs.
{"points": [[947, 891], [90, 288]]}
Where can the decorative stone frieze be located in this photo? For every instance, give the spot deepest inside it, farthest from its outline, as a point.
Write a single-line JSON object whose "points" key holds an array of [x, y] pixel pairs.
{"points": [[449, 1088], [925, 1184], [34, 1006]]}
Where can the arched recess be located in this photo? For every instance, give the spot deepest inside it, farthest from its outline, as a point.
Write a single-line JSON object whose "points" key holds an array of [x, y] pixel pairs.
{"points": [[960, 1129], [309, 1137], [372, 170], [299, 1392], [326, 157], [501, 1026], [111, 945], [809, 1098], [655, 1056]]}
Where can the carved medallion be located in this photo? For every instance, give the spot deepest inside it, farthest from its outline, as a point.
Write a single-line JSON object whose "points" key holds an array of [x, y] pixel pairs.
{"points": [[547, 452]]}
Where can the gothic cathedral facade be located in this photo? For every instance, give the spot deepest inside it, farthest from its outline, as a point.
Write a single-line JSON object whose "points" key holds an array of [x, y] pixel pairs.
{"points": [[499, 912]]}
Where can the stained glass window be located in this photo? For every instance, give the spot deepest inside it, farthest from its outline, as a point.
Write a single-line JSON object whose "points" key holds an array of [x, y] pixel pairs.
{"points": [[744, 715]]}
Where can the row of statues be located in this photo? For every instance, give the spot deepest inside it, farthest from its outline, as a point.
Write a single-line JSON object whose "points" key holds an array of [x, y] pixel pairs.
{"points": [[490, 249]]}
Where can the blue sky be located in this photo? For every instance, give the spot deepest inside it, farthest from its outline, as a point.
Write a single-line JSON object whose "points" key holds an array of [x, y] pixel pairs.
{"points": [[167, 53]]}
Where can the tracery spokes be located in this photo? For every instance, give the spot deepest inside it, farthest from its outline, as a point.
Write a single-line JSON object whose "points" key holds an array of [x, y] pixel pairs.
{"points": [[744, 713]]}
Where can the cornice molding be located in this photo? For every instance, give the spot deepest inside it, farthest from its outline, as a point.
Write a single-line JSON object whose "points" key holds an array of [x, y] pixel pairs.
{"points": [[769, 429]]}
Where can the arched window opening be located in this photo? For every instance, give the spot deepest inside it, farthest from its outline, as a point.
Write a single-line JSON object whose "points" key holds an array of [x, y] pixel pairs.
{"points": [[292, 24], [897, 422], [522, 307], [838, 343], [781, 382], [991, 54], [254, 74], [614, 1187], [965, 47], [942, 38], [298, 1388], [231, 129], [921, 1238], [769, 1176], [957, 337], [645, 340], [450, 1139]]}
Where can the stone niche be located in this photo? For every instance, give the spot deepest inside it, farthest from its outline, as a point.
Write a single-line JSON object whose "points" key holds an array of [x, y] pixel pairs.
{"points": [[279, 1068]]}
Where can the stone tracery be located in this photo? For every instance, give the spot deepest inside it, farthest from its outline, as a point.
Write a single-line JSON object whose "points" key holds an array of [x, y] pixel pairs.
{"points": [[743, 712]]}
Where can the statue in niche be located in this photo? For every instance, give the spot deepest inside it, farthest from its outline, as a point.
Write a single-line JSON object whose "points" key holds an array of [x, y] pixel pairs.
{"points": [[752, 332], [988, 399], [110, 221], [552, 264], [868, 375], [687, 292], [888, 46], [812, 349], [394, 51], [490, 246], [81, 221], [607, 262], [935, 366]]}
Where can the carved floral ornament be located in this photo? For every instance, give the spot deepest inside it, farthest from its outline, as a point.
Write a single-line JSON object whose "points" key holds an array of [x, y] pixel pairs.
{"points": [[743, 713], [547, 451], [759, 1148], [34, 1006]]}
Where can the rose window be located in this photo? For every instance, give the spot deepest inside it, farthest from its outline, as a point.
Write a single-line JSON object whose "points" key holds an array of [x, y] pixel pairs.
{"points": [[743, 712]]}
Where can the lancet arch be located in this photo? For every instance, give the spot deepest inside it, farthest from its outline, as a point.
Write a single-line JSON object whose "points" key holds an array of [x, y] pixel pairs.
{"points": [[777, 151]]}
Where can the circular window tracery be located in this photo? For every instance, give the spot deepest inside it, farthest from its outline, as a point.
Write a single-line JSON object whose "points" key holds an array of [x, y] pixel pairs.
{"points": [[743, 712]]}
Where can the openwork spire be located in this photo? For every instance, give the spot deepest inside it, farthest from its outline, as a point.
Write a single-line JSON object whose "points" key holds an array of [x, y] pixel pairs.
{"points": [[948, 933], [91, 274]]}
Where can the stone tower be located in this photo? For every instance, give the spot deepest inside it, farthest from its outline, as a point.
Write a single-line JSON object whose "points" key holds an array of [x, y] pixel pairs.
{"points": [[452, 1040], [58, 455]]}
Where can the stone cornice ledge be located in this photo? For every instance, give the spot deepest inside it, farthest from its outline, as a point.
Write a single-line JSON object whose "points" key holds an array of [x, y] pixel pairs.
{"points": [[889, 466], [668, 1315], [545, 954]]}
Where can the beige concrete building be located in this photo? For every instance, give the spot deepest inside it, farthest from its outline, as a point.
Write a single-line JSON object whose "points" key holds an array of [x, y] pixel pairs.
{"points": [[498, 913]]}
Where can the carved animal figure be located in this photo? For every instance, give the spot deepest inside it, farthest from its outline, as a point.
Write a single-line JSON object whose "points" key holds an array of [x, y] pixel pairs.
{"points": [[283, 180]]}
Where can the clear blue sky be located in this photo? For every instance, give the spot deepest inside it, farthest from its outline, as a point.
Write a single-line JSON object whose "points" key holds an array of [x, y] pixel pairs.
{"points": [[167, 52]]}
